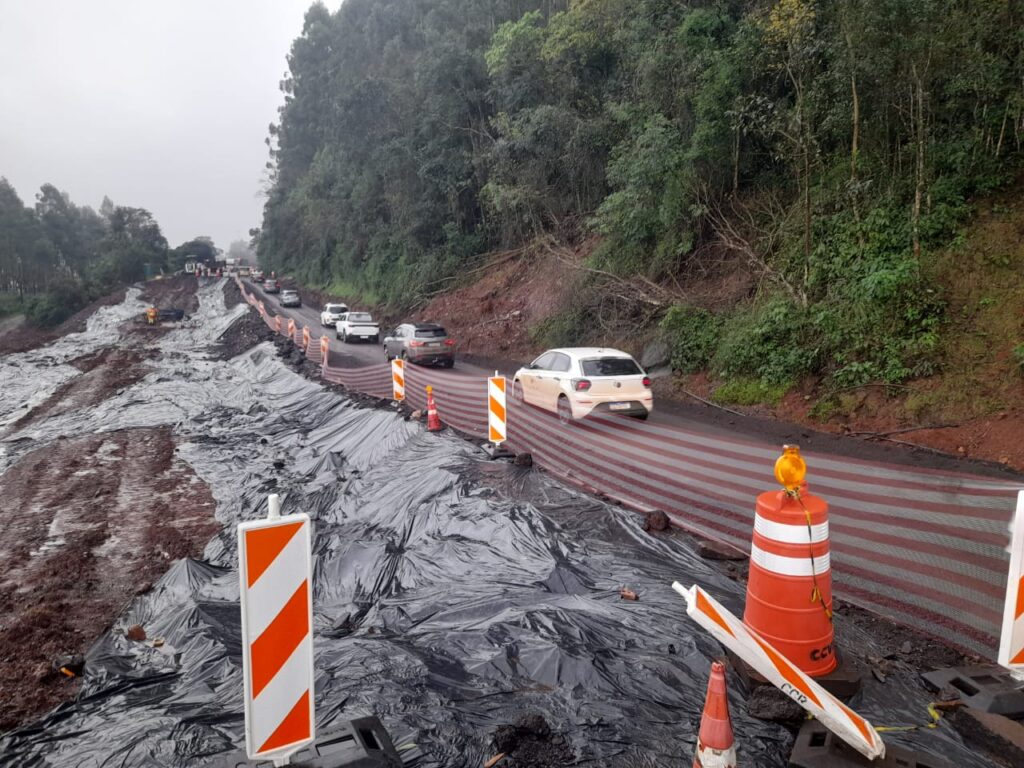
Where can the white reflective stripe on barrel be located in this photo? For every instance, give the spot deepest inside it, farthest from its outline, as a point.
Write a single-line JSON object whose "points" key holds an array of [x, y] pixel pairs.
{"points": [[789, 566], [790, 534]]}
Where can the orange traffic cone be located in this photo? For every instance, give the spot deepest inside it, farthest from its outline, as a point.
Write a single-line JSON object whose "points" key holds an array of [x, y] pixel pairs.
{"points": [[789, 590], [716, 747], [433, 420]]}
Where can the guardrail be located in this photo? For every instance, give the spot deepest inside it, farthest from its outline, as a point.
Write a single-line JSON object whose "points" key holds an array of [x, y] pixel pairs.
{"points": [[922, 547]]}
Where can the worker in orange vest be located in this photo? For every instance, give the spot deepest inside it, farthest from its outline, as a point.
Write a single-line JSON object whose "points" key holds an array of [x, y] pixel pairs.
{"points": [[151, 315]]}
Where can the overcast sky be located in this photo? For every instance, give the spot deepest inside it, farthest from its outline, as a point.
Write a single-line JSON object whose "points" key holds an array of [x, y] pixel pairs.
{"points": [[162, 104]]}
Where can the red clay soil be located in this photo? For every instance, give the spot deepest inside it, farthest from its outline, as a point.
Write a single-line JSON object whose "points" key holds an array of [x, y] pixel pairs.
{"points": [[491, 317], [23, 337], [178, 292], [91, 522], [103, 374]]}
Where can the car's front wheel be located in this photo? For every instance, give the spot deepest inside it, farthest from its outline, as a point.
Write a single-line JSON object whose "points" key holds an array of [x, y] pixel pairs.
{"points": [[517, 391]]}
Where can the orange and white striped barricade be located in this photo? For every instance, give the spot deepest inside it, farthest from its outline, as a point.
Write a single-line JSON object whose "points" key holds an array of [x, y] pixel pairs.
{"points": [[305, 339], [780, 672], [1011, 644], [398, 380], [291, 329], [497, 418], [275, 578], [325, 349], [263, 310]]}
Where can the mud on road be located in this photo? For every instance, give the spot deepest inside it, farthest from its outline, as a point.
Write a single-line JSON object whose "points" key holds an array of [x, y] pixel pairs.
{"points": [[89, 523], [92, 519]]}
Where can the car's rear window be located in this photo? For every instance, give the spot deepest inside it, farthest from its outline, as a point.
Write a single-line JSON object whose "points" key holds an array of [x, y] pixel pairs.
{"points": [[430, 333], [610, 366], [336, 309], [359, 317]]}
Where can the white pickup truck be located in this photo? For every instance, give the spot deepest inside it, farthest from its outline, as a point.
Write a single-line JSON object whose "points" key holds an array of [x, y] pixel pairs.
{"points": [[357, 325]]}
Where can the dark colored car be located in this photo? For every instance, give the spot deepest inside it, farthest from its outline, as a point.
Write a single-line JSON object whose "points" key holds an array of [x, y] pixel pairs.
{"points": [[270, 285], [423, 343]]}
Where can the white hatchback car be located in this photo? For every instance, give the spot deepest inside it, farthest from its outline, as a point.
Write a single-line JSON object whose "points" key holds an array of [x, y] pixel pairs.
{"points": [[579, 381]]}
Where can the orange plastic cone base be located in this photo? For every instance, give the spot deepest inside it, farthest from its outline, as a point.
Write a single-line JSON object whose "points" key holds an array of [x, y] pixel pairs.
{"points": [[716, 747]]}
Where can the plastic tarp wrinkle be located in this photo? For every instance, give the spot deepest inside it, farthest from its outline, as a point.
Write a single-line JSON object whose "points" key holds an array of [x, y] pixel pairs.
{"points": [[451, 594]]}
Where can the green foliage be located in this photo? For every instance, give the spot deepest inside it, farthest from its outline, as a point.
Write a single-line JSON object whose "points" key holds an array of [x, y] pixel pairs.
{"points": [[10, 304], [57, 257], [1018, 357], [416, 136], [693, 335], [568, 328], [55, 306], [747, 391], [774, 343]]}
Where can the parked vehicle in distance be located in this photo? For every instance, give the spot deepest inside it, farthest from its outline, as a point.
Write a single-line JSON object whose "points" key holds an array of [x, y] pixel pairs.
{"points": [[271, 286], [290, 298], [331, 314], [257, 276], [576, 382], [423, 343], [357, 325]]}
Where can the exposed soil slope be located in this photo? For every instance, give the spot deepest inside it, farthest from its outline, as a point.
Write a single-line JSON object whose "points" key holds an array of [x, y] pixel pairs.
{"points": [[491, 315], [90, 522], [103, 374], [22, 337]]}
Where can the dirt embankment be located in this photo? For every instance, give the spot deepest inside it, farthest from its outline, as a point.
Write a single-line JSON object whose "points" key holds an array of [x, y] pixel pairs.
{"points": [[246, 332], [90, 522], [491, 316], [178, 292], [104, 373], [23, 337]]}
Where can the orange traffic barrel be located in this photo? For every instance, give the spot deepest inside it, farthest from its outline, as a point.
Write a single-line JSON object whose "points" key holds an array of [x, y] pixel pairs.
{"points": [[789, 590]]}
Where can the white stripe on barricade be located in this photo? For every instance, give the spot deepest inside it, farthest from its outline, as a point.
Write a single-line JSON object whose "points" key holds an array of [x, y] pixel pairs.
{"points": [[1011, 644], [790, 534], [496, 410], [275, 581], [790, 566], [398, 380], [759, 653]]}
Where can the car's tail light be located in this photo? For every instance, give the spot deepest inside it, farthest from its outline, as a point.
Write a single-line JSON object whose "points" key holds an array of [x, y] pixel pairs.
{"points": [[647, 381], [449, 342], [415, 343], [581, 385]]}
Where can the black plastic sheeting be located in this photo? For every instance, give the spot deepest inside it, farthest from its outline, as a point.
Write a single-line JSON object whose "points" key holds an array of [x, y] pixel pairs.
{"points": [[451, 594]]}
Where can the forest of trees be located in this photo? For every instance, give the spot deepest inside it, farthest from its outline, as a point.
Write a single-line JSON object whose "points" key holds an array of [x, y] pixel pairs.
{"points": [[826, 149], [56, 257]]}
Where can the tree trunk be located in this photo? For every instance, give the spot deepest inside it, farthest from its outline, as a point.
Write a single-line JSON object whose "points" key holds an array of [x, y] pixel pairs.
{"points": [[919, 187]]}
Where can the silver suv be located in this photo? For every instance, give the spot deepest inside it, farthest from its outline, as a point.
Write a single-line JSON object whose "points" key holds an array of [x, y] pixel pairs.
{"points": [[423, 343]]}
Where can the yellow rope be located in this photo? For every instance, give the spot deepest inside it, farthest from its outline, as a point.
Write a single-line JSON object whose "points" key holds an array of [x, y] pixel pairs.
{"points": [[816, 595], [932, 711]]}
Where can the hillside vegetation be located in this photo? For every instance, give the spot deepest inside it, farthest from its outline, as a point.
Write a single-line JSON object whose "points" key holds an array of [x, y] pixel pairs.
{"points": [[56, 257], [821, 156]]}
